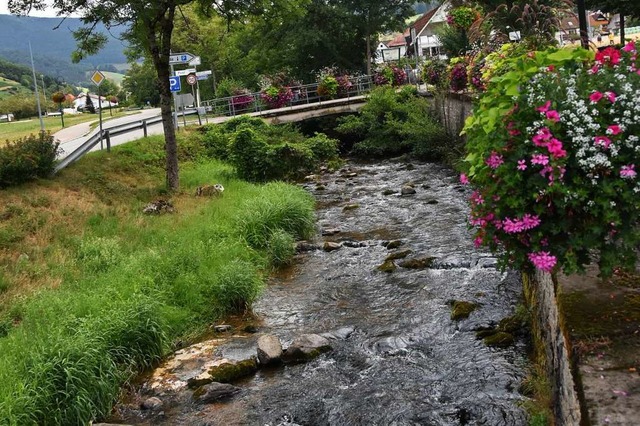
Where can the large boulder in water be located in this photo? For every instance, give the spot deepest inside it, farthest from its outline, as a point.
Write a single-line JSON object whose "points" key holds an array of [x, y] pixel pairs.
{"points": [[269, 350], [305, 348]]}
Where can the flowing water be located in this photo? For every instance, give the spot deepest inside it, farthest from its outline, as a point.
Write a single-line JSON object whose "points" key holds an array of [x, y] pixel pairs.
{"points": [[398, 358]]}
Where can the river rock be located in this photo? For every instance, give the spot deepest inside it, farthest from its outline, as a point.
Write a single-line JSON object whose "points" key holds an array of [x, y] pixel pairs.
{"points": [[305, 348], [388, 266], [407, 190], [330, 231], [331, 246], [388, 192], [306, 246], [350, 207], [398, 255], [339, 334], [421, 263], [214, 392], [222, 328], [153, 403], [269, 350], [354, 244], [225, 372], [499, 339], [390, 245], [432, 201], [461, 309]]}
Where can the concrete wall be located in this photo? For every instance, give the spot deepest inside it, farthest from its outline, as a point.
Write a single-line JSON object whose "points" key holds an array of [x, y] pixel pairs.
{"points": [[452, 111]]}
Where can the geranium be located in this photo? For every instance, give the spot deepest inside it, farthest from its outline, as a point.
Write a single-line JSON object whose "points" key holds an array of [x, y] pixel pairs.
{"points": [[561, 164]]}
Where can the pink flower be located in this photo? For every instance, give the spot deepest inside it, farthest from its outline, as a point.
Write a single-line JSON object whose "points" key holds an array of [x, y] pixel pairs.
{"points": [[595, 97], [544, 108], [522, 165], [476, 198], [477, 242], [494, 160], [512, 226], [611, 96], [614, 129], [542, 137], [553, 116], [629, 47], [540, 159], [602, 141], [609, 56], [551, 68], [530, 221], [555, 148], [464, 179], [628, 172], [594, 69], [543, 260]]}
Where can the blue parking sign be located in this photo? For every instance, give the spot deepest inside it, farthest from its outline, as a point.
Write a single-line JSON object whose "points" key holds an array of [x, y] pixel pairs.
{"points": [[174, 84]]}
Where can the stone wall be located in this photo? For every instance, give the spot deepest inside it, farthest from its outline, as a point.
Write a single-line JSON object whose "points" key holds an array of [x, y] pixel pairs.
{"points": [[452, 111], [551, 345]]}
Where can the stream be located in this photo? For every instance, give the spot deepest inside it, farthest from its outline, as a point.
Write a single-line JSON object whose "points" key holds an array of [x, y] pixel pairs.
{"points": [[397, 357]]}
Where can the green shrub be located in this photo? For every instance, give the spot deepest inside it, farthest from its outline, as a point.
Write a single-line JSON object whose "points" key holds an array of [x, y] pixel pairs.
{"points": [[249, 154], [26, 159], [394, 123], [235, 286], [281, 248]]}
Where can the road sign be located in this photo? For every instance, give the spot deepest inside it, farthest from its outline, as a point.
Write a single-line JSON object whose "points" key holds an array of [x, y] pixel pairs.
{"points": [[195, 62], [203, 73], [174, 84], [97, 77], [182, 73], [181, 58], [192, 79]]}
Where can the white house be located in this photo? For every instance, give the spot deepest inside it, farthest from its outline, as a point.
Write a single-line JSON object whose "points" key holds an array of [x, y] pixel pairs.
{"points": [[80, 102], [426, 28]]}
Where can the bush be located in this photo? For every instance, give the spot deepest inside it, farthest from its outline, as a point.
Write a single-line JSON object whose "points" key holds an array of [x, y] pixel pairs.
{"points": [[281, 248], [235, 286], [28, 158], [394, 123], [553, 150], [328, 87]]}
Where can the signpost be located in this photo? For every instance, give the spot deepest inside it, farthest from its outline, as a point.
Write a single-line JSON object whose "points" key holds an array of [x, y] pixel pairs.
{"points": [[174, 84], [97, 78], [182, 73], [195, 61], [181, 58]]}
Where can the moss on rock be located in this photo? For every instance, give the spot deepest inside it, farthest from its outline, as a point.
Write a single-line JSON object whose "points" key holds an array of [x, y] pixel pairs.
{"points": [[499, 339], [232, 371], [398, 255], [461, 309], [388, 266]]}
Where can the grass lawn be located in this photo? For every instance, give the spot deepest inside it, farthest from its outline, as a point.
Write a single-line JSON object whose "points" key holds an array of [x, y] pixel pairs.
{"points": [[19, 129]]}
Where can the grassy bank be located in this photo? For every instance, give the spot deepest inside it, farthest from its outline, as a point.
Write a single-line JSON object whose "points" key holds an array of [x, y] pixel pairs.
{"points": [[93, 290]]}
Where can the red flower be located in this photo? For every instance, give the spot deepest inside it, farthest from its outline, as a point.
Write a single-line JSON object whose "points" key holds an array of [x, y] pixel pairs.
{"points": [[609, 56]]}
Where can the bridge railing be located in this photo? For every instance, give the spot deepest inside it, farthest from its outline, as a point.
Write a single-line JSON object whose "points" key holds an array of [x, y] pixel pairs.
{"points": [[303, 94]]}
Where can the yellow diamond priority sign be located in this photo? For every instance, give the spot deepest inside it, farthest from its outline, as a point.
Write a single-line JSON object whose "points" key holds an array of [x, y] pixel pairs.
{"points": [[98, 78]]}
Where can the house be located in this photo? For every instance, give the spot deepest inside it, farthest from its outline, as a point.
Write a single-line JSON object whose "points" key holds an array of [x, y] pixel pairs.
{"points": [[426, 28], [395, 49], [81, 101], [598, 26]]}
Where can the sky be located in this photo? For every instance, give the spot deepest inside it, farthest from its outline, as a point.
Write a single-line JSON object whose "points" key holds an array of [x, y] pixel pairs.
{"points": [[49, 13]]}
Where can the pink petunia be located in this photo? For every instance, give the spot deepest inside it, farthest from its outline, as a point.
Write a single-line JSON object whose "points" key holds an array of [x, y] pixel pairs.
{"points": [[522, 165], [477, 242], [543, 260], [595, 97], [611, 96], [602, 141], [530, 221], [542, 137], [544, 108], [540, 159], [614, 130], [553, 116], [464, 179], [609, 56], [629, 47], [628, 172], [555, 148], [476, 198]]}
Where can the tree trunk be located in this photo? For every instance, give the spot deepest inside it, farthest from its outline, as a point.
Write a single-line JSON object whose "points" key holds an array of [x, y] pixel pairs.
{"points": [[368, 53]]}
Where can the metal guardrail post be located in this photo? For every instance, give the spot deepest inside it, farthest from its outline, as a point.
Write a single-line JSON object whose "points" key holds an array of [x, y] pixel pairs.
{"points": [[107, 136], [144, 128]]}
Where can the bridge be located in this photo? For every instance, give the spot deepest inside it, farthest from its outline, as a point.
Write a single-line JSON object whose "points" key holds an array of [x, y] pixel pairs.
{"points": [[305, 103]]}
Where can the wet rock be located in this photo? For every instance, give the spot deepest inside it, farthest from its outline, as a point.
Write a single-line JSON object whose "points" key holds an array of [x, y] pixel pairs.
{"points": [[398, 255], [330, 231], [349, 175], [487, 262], [486, 332], [499, 339], [513, 324], [425, 186], [225, 372], [305, 246], [392, 244], [214, 392], [222, 328], [305, 348], [310, 178], [159, 207], [409, 167], [339, 334], [269, 350], [432, 201], [350, 207], [388, 192], [461, 309], [407, 190], [320, 187], [330, 246], [152, 403], [354, 244], [250, 329], [388, 266], [421, 263]]}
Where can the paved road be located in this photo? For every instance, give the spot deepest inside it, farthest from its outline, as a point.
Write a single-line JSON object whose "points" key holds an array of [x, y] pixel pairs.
{"points": [[72, 137]]}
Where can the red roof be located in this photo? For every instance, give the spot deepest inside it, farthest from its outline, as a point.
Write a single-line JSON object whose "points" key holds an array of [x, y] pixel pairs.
{"points": [[399, 40], [424, 20]]}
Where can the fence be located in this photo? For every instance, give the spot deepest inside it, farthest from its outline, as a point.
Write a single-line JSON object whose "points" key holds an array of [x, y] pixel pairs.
{"points": [[299, 95]]}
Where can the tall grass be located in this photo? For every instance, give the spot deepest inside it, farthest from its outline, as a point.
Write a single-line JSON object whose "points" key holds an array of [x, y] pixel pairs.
{"points": [[131, 285]]}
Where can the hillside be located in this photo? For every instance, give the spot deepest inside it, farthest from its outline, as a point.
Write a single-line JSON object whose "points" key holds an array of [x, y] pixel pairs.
{"points": [[52, 48]]}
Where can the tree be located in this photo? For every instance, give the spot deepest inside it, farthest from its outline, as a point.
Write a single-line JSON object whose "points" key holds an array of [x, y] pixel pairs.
{"points": [[140, 84], [149, 27], [375, 16], [88, 105]]}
